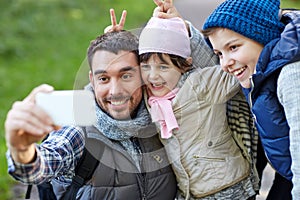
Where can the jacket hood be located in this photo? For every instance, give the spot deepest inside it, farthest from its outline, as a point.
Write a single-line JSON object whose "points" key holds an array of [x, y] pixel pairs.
{"points": [[280, 51]]}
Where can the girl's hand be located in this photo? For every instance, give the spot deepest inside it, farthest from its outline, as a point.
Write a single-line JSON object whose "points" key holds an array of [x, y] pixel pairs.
{"points": [[165, 9]]}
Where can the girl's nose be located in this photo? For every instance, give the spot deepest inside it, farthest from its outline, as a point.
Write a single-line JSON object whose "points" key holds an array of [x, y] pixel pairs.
{"points": [[153, 73]]}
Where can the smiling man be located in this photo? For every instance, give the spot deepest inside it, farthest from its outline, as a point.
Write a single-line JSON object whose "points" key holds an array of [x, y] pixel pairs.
{"points": [[133, 164], [116, 81]]}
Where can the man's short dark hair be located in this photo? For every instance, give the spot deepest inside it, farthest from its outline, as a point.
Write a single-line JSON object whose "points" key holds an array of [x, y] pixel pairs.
{"points": [[113, 42]]}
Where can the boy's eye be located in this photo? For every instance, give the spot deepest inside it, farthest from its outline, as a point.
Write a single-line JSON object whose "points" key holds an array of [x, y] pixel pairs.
{"points": [[233, 47], [219, 54]]}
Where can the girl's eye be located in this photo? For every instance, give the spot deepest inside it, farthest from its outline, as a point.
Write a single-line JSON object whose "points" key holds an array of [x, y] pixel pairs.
{"points": [[145, 67], [164, 67]]}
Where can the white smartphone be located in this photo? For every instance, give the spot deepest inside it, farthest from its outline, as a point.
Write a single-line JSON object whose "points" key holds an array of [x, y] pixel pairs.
{"points": [[69, 107]]}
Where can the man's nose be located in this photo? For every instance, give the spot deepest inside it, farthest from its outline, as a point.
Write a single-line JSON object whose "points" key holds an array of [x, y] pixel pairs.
{"points": [[115, 87]]}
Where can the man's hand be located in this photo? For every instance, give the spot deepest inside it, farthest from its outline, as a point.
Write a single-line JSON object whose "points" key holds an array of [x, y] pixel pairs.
{"points": [[114, 26], [26, 124]]}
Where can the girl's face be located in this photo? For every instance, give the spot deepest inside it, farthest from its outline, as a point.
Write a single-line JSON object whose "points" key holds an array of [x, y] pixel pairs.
{"points": [[238, 54], [160, 77]]}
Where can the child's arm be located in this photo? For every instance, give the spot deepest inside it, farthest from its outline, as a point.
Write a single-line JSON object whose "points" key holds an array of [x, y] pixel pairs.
{"points": [[202, 54], [289, 96]]}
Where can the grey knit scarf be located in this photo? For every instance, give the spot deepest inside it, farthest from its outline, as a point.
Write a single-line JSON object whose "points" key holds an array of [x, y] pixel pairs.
{"points": [[123, 130]]}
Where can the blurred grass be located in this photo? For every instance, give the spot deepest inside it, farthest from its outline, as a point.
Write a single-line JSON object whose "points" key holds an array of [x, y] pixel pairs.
{"points": [[45, 41], [290, 4]]}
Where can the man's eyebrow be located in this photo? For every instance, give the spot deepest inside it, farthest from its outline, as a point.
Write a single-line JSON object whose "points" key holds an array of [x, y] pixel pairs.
{"points": [[99, 71], [124, 69], [128, 68]]}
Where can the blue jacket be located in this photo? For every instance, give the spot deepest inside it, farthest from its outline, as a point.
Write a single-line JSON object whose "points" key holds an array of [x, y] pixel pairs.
{"points": [[262, 96]]}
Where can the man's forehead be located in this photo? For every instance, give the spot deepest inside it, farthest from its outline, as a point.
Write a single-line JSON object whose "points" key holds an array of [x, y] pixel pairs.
{"points": [[105, 59], [105, 62]]}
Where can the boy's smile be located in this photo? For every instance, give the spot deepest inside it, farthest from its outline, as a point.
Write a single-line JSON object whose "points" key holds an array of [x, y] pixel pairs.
{"points": [[238, 54]]}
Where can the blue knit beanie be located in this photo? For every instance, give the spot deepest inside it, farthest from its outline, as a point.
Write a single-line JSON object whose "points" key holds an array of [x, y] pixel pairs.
{"points": [[254, 19]]}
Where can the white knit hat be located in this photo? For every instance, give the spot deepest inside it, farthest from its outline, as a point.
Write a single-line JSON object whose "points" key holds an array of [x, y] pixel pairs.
{"points": [[165, 36]]}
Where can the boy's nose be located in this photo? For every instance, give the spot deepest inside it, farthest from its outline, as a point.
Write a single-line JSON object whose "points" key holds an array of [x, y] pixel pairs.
{"points": [[226, 62]]}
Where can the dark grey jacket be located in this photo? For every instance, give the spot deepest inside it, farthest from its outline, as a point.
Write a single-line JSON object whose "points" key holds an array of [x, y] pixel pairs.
{"points": [[118, 177]]}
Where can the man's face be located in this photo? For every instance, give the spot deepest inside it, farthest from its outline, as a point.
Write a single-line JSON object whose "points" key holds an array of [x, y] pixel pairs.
{"points": [[238, 54], [117, 83]]}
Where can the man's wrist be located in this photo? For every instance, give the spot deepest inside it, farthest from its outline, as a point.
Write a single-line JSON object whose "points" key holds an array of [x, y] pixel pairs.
{"points": [[23, 155]]}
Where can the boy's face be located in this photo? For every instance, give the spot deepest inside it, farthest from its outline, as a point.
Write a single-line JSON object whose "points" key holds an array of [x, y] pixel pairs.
{"points": [[238, 54], [117, 83], [159, 77]]}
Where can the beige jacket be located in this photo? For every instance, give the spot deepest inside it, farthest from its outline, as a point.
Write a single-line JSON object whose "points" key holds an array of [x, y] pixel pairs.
{"points": [[203, 152]]}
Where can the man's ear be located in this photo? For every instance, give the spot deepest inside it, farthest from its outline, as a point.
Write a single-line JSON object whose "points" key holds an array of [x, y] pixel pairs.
{"points": [[91, 77]]}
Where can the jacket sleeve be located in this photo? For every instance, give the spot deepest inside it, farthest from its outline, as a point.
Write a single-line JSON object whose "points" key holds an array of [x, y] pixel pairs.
{"points": [[202, 54], [213, 84], [288, 92]]}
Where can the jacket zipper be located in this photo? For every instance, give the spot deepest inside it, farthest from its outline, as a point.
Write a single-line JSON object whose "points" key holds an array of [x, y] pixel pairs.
{"points": [[253, 115], [142, 174], [250, 102]]}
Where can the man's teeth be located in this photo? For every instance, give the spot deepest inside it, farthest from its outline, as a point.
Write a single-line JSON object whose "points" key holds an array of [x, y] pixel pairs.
{"points": [[237, 72], [116, 103]]}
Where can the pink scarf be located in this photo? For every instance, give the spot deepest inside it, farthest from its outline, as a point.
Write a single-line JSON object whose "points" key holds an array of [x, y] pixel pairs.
{"points": [[161, 111]]}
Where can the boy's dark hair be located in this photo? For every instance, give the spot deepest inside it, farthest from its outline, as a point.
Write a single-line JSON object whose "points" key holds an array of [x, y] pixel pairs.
{"points": [[178, 61], [113, 42]]}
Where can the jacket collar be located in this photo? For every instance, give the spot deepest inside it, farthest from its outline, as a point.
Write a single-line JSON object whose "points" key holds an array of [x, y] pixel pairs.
{"points": [[280, 51]]}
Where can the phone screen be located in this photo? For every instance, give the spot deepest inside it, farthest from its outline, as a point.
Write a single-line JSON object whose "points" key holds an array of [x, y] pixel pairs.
{"points": [[69, 107]]}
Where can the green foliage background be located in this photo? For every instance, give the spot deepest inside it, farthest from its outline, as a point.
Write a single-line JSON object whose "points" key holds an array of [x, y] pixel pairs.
{"points": [[45, 41]]}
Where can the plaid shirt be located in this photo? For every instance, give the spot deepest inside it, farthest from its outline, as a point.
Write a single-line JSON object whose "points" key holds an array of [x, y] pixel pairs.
{"points": [[59, 160]]}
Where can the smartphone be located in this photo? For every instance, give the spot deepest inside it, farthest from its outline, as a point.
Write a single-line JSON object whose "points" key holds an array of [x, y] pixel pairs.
{"points": [[69, 107]]}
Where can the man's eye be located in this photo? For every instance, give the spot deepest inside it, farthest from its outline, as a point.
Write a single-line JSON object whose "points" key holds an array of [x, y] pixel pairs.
{"points": [[102, 79], [126, 76]]}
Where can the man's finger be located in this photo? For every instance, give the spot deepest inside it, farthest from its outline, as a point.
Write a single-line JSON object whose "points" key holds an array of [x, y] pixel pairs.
{"points": [[41, 88]]}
